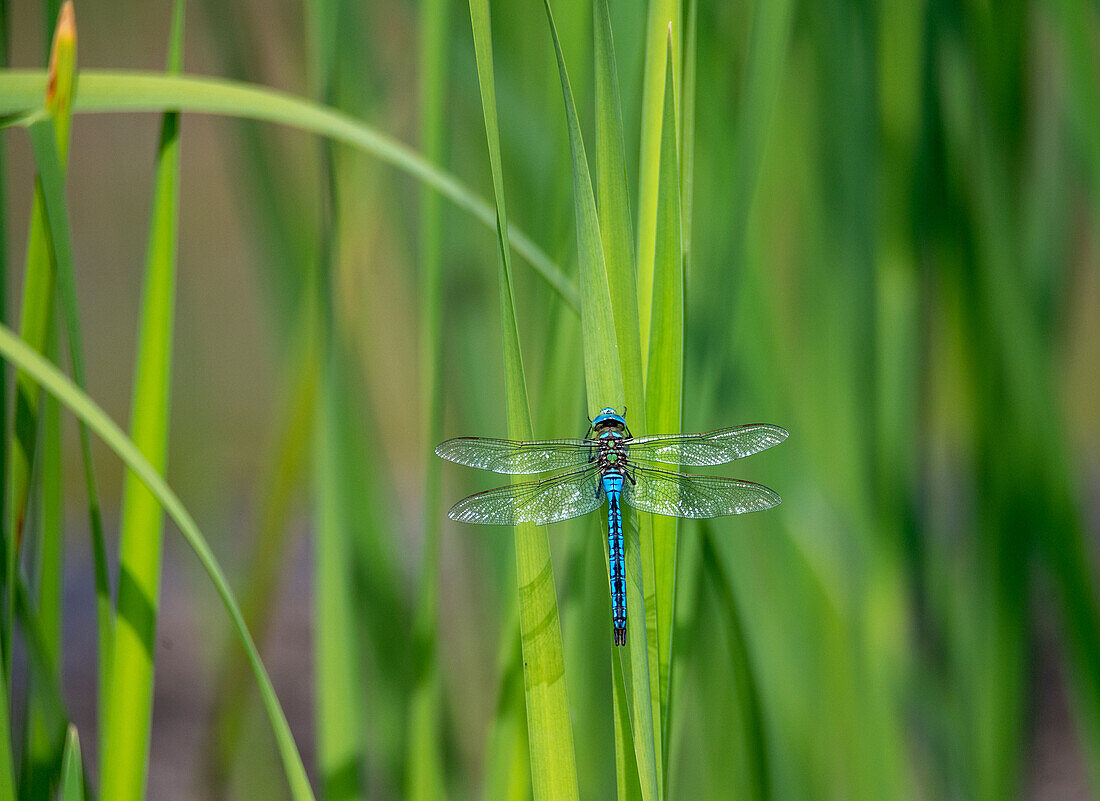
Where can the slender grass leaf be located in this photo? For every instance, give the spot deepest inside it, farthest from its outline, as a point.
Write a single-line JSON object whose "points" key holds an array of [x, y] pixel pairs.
{"points": [[51, 183], [337, 650], [605, 387], [550, 733], [44, 733], [19, 353], [617, 238], [687, 128], [128, 713], [115, 91], [425, 778], [665, 379], [36, 315], [616, 230], [72, 769], [664, 17]]}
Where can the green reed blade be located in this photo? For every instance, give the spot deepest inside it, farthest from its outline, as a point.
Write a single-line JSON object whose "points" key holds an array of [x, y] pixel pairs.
{"points": [[36, 315], [617, 237], [550, 733], [72, 769], [128, 713], [339, 702], [21, 90], [687, 127], [425, 778], [51, 182], [340, 709], [604, 379], [44, 733], [19, 353], [664, 17], [665, 379]]}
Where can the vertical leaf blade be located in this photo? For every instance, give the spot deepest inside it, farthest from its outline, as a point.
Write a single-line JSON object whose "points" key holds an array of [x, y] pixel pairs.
{"points": [[130, 694], [665, 379], [604, 376], [550, 733], [72, 769], [664, 15]]}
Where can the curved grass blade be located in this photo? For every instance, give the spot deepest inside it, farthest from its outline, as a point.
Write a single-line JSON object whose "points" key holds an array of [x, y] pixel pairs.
{"points": [[101, 91], [550, 733], [665, 381], [129, 701], [16, 351], [605, 388]]}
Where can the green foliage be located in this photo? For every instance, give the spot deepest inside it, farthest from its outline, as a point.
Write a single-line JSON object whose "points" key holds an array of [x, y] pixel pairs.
{"points": [[877, 227]]}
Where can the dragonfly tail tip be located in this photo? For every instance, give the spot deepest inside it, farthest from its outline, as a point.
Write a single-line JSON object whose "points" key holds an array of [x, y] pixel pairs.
{"points": [[620, 636]]}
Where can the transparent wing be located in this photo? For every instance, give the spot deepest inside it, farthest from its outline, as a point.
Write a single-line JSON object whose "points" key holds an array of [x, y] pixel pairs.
{"points": [[556, 498], [681, 495], [511, 457], [711, 448]]}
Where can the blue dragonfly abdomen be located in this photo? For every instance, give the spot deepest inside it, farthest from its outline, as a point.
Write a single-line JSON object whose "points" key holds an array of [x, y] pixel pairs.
{"points": [[610, 462], [613, 488]]}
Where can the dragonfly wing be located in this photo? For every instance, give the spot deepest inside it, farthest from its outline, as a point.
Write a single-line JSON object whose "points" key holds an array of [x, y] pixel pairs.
{"points": [[548, 501], [512, 457], [710, 448], [681, 495]]}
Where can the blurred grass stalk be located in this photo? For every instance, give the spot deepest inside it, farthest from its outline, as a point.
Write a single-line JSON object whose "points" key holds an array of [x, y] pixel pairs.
{"points": [[125, 753], [338, 691], [425, 778], [36, 317]]}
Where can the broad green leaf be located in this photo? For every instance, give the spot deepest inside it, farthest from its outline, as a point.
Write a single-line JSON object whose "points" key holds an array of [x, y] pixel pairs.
{"points": [[604, 380], [665, 379], [550, 733], [128, 713], [16, 351], [21, 90]]}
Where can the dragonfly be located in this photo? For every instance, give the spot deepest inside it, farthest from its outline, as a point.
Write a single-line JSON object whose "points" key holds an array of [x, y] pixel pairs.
{"points": [[611, 464]]}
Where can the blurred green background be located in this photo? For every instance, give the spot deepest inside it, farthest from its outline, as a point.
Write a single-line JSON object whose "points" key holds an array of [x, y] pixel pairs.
{"points": [[894, 252]]}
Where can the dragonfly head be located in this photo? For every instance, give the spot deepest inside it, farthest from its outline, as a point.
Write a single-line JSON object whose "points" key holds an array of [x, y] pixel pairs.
{"points": [[608, 418]]}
